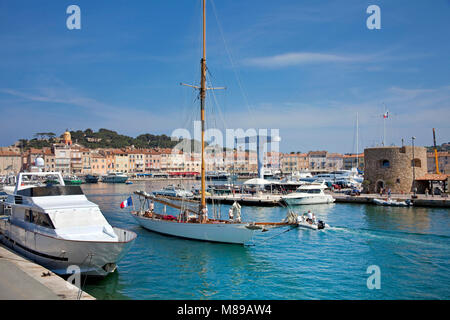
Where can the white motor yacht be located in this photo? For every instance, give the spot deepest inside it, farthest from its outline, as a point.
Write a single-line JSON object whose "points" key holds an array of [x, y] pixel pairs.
{"points": [[309, 194], [173, 191], [57, 227], [115, 177]]}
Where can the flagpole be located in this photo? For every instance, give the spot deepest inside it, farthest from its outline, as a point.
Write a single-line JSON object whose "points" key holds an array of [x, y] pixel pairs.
{"points": [[357, 148], [384, 125]]}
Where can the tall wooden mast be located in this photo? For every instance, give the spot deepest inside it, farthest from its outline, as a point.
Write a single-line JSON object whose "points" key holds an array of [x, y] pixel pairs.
{"points": [[203, 90], [202, 105]]}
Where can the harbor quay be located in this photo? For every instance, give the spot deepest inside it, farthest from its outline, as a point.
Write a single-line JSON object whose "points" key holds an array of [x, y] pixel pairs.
{"points": [[270, 200], [22, 279], [418, 201]]}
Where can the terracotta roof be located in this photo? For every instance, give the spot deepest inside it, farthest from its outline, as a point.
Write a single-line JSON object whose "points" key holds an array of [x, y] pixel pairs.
{"points": [[433, 177], [295, 155], [47, 152], [7, 153], [35, 151], [335, 155], [318, 153], [97, 155], [361, 155]]}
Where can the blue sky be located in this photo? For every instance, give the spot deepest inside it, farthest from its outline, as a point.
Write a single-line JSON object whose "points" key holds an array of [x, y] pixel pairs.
{"points": [[303, 67]]}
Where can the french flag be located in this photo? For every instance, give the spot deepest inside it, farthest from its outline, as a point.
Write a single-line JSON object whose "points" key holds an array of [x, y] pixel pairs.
{"points": [[126, 203], [386, 115]]}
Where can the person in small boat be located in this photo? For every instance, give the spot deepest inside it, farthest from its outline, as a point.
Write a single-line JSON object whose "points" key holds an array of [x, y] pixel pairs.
{"points": [[230, 214], [309, 217]]}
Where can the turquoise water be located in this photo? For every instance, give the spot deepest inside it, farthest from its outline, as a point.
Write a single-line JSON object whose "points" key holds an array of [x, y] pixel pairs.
{"points": [[411, 246]]}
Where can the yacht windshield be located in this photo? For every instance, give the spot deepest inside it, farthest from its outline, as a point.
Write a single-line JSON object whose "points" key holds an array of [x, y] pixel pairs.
{"points": [[50, 191]]}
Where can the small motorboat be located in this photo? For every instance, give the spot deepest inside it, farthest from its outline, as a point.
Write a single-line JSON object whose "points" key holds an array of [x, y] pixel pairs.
{"points": [[72, 180], [306, 223], [128, 182], [391, 202], [302, 221]]}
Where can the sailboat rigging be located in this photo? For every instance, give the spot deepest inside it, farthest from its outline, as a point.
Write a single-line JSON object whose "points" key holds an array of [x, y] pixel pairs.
{"points": [[193, 221]]}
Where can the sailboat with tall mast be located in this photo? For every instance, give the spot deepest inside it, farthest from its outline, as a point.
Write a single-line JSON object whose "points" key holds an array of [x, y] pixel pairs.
{"points": [[193, 221]]}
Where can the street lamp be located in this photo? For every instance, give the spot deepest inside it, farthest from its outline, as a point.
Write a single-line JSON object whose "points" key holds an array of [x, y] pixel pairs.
{"points": [[414, 167]]}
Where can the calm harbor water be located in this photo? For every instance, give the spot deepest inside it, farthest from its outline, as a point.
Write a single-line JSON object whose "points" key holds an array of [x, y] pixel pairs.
{"points": [[411, 246]]}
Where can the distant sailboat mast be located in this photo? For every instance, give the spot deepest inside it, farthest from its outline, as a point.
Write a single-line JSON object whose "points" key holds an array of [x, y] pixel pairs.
{"points": [[357, 146], [202, 106]]}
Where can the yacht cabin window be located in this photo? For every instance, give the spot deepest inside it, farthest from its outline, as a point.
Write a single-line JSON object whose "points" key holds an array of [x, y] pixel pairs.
{"points": [[38, 218]]}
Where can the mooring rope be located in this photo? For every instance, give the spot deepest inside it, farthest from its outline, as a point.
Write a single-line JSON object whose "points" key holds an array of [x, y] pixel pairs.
{"points": [[278, 234]]}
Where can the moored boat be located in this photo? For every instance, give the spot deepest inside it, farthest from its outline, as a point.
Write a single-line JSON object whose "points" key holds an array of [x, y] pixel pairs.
{"points": [[309, 194], [58, 227], [72, 180], [391, 202], [89, 178], [173, 191], [115, 177], [193, 221]]}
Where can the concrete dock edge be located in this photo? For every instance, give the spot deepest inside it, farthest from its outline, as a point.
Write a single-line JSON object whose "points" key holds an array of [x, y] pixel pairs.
{"points": [[21, 279]]}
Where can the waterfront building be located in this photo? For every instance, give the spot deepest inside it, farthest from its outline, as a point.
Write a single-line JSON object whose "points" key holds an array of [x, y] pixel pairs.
{"points": [[317, 160], [350, 161], [86, 160], [136, 160], [443, 162], [293, 162], [174, 161], [10, 162], [121, 160], [152, 160], [334, 161], [215, 158], [76, 163], [192, 162], [393, 168], [62, 157], [272, 160], [109, 159], [49, 159], [98, 164]]}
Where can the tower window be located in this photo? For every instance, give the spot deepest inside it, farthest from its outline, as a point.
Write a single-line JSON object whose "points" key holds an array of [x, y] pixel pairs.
{"points": [[385, 163]]}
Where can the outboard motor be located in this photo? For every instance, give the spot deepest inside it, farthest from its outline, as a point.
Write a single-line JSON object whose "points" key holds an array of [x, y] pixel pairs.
{"points": [[320, 225]]}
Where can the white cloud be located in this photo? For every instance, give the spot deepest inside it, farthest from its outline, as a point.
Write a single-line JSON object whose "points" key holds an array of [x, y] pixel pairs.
{"points": [[299, 58]]}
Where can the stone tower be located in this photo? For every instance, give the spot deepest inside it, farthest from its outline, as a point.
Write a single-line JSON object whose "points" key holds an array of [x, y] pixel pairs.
{"points": [[392, 167]]}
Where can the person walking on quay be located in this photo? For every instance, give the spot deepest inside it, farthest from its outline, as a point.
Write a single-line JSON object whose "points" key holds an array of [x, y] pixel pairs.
{"points": [[426, 192], [389, 193]]}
